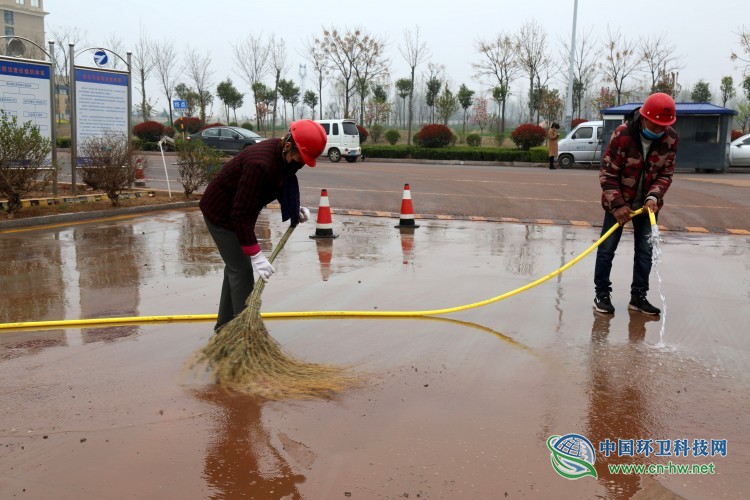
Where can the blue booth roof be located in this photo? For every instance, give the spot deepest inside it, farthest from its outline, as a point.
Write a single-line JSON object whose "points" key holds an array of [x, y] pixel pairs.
{"points": [[682, 108]]}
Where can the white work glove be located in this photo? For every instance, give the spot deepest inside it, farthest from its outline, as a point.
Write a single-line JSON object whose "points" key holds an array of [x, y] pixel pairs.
{"points": [[262, 267], [304, 214]]}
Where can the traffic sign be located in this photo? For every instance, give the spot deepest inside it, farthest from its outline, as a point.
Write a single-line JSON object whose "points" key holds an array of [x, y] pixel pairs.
{"points": [[100, 58], [179, 104]]}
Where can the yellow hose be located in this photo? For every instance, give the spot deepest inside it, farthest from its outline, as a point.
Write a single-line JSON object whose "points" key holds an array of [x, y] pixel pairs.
{"points": [[73, 323]]}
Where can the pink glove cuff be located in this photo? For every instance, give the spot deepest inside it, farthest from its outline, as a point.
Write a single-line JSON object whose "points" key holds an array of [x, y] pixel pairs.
{"points": [[251, 250]]}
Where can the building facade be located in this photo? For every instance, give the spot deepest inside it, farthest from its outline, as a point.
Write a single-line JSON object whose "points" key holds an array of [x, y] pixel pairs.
{"points": [[23, 18]]}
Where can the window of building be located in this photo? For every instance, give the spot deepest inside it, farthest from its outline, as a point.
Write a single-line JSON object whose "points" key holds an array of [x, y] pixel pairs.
{"points": [[19, 2], [35, 3], [9, 31], [8, 17]]}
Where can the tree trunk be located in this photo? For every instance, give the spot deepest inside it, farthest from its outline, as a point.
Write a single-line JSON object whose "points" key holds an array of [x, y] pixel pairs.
{"points": [[411, 107]]}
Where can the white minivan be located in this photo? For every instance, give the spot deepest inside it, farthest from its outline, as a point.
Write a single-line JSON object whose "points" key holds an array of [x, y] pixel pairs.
{"points": [[582, 145], [343, 140]]}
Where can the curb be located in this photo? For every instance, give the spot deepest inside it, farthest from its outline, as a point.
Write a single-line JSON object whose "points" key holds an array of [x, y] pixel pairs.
{"points": [[82, 216]]}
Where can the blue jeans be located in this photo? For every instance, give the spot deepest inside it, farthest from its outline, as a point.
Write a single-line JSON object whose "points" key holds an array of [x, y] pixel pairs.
{"points": [[641, 260]]}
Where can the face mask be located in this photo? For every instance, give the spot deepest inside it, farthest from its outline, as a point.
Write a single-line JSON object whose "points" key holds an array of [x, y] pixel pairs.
{"points": [[650, 135]]}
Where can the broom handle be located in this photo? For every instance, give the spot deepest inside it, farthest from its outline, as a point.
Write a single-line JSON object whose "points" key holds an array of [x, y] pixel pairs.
{"points": [[260, 284]]}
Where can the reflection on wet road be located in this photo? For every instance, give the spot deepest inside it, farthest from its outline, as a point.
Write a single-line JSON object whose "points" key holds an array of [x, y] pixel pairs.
{"points": [[454, 407]]}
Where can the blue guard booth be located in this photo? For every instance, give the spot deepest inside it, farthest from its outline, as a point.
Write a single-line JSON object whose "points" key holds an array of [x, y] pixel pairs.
{"points": [[704, 130]]}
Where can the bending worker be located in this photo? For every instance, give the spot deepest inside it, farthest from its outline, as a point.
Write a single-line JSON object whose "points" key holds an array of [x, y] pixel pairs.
{"points": [[260, 174], [636, 172]]}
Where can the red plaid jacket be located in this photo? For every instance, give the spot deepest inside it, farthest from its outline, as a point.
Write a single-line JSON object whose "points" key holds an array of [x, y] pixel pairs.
{"points": [[624, 162]]}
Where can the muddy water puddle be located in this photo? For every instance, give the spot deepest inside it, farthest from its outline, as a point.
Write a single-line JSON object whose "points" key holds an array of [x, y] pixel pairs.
{"points": [[459, 407]]}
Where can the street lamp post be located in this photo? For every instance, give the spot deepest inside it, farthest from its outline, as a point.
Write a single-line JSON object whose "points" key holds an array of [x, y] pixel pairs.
{"points": [[569, 97]]}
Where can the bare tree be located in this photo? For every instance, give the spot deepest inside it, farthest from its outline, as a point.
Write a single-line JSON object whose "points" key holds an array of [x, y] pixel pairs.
{"points": [[321, 70], [198, 69], [532, 58], [497, 67], [744, 37], [658, 58], [165, 64], [415, 52], [349, 53], [585, 67], [63, 36], [372, 65], [252, 58], [110, 164], [623, 60], [116, 45], [143, 63], [278, 63]]}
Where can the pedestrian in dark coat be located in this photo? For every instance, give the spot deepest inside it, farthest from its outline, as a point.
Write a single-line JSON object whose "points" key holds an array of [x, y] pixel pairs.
{"points": [[232, 202]]}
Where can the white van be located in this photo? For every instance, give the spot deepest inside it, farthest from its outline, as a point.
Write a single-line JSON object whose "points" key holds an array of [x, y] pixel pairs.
{"points": [[582, 145], [343, 140]]}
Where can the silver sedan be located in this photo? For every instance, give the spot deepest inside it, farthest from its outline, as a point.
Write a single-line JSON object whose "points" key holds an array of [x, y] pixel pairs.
{"points": [[739, 152]]}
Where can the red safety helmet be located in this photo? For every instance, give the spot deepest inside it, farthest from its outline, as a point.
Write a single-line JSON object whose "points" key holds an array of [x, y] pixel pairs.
{"points": [[659, 108], [310, 138]]}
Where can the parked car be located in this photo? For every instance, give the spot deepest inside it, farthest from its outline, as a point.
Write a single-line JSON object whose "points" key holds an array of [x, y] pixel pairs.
{"points": [[343, 140], [739, 152], [229, 140], [582, 145]]}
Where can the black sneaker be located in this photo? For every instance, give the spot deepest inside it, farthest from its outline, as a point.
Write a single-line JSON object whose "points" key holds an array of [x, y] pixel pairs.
{"points": [[603, 304], [641, 303]]}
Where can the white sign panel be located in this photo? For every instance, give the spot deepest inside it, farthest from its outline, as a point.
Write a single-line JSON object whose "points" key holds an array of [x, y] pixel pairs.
{"points": [[25, 93], [101, 104]]}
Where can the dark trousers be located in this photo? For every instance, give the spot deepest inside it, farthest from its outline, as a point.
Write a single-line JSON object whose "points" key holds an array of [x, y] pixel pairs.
{"points": [[641, 260], [551, 162], [238, 273]]}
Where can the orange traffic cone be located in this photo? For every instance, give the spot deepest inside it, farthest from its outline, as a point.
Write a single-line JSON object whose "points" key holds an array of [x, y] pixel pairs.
{"points": [[407, 210], [324, 227], [325, 254]]}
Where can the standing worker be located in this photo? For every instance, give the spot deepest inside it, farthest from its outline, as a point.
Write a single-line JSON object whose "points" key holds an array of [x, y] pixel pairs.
{"points": [[636, 172], [552, 136], [260, 174]]}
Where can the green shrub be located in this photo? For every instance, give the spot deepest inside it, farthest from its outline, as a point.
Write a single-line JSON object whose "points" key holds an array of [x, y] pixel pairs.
{"points": [[247, 126], [63, 142], [23, 156], [539, 154], [459, 153], [474, 140], [392, 136], [415, 139], [435, 136], [376, 131], [499, 139], [528, 135]]}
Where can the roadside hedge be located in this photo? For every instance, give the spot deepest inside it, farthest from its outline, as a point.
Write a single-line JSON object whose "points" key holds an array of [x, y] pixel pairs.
{"points": [[459, 153]]}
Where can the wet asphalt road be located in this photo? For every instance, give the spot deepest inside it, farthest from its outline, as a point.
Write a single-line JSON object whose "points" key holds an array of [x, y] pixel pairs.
{"points": [[454, 407]]}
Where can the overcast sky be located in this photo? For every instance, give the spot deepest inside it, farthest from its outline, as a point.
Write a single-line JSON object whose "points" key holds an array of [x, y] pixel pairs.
{"points": [[703, 33]]}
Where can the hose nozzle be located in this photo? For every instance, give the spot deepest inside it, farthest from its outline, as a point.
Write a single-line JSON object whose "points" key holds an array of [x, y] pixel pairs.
{"points": [[651, 217]]}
